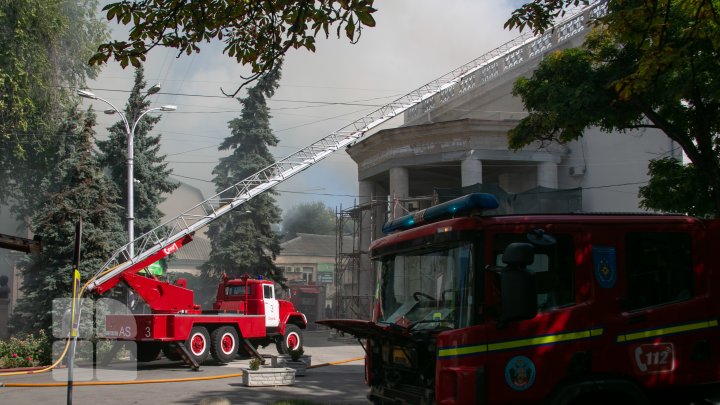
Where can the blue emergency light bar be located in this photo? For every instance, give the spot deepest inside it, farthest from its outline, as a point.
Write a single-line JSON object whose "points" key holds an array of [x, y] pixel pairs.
{"points": [[459, 206]]}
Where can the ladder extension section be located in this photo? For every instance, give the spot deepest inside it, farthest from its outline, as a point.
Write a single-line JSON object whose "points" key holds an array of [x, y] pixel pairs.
{"points": [[163, 237]]}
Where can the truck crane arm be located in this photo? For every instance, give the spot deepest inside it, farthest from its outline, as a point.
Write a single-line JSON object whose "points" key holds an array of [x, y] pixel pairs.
{"points": [[111, 277], [171, 235]]}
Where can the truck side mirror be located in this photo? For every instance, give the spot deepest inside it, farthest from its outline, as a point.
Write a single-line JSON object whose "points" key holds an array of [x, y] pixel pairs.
{"points": [[518, 292]]}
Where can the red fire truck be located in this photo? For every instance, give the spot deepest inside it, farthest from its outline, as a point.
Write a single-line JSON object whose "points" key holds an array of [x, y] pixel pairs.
{"points": [[526, 309], [308, 299], [246, 314]]}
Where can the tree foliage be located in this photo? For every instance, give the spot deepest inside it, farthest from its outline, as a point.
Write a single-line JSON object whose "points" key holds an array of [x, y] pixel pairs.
{"points": [[646, 64], [44, 46], [77, 189], [255, 33], [314, 217], [150, 169], [243, 241], [539, 15], [675, 187]]}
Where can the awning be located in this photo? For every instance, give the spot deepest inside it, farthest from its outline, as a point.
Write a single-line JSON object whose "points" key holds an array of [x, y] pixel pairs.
{"points": [[309, 290]]}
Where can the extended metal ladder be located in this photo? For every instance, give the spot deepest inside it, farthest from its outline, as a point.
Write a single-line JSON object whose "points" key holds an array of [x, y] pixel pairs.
{"points": [[225, 201]]}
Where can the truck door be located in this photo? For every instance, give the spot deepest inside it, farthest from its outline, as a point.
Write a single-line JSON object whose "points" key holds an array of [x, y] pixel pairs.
{"points": [[667, 325], [526, 358], [272, 308]]}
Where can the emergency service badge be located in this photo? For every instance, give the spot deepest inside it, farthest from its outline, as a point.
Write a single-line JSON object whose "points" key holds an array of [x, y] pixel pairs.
{"points": [[520, 373], [605, 266]]}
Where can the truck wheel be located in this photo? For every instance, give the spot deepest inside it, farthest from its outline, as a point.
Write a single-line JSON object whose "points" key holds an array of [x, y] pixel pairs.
{"points": [[224, 344], [198, 344], [292, 340], [147, 351]]}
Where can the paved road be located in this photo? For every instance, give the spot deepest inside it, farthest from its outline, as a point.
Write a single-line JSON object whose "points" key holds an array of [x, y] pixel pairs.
{"points": [[335, 384]]}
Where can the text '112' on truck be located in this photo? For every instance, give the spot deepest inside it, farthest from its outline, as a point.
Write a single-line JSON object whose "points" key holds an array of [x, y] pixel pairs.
{"points": [[531, 309]]}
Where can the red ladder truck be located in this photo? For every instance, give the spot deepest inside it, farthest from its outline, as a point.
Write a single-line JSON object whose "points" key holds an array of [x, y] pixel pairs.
{"points": [[532, 309], [245, 314]]}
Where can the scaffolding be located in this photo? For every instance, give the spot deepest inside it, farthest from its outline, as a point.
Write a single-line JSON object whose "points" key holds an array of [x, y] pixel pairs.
{"points": [[353, 299], [356, 228]]}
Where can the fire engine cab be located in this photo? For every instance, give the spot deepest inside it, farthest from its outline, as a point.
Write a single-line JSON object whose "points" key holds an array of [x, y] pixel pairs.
{"points": [[526, 309]]}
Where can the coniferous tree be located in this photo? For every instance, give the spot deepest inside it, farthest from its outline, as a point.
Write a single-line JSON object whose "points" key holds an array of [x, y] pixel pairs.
{"points": [[43, 48], [244, 241], [77, 189], [151, 174]]}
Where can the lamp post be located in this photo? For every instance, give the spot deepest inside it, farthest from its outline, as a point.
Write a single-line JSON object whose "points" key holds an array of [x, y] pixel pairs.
{"points": [[130, 133]]}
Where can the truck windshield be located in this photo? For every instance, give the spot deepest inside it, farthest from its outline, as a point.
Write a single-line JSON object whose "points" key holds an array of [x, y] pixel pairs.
{"points": [[427, 289], [235, 290]]}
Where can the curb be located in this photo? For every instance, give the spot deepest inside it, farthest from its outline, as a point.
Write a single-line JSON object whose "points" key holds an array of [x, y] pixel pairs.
{"points": [[13, 370]]}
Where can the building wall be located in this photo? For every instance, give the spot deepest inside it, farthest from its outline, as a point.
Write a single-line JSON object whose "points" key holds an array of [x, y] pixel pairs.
{"points": [[309, 270]]}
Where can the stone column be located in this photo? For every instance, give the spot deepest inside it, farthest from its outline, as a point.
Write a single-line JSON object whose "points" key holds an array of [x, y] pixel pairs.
{"points": [[367, 193], [471, 170], [365, 277], [399, 188], [547, 175]]}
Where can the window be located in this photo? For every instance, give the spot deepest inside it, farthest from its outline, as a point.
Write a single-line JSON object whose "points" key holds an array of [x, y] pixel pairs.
{"points": [[553, 267], [428, 289], [235, 290], [659, 268], [268, 291]]}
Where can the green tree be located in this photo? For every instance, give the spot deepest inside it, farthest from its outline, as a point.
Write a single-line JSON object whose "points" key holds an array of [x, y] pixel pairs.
{"points": [[646, 64], [44, 46], [539, 15], [314, 217], [243, 241], [150, 169], [675, 187], [256, 33], [77, 189]]}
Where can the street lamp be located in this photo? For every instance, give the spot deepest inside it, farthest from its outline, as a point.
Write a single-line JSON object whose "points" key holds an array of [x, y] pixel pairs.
{"points": [[130, 132]]}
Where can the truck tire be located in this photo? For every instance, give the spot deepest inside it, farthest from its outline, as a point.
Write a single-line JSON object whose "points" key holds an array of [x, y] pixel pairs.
{"points": [[198, 344], [292, 340], [147, 351], [224, 344]]}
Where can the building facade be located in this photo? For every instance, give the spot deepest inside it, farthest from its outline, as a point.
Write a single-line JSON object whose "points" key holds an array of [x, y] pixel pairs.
{"points": [[310, 259]]}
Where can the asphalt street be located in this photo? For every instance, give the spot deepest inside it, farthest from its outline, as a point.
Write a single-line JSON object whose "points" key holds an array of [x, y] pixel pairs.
{"points": [[332, 384]]}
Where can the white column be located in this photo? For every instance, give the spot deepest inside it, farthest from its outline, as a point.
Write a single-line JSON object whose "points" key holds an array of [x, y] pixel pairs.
{"points": [[366, 191], [372, 218], [471, 170], [547, 175], [399, 188]]}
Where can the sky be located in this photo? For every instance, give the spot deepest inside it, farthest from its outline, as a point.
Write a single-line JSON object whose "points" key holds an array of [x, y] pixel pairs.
{"points": [[413, 43]]}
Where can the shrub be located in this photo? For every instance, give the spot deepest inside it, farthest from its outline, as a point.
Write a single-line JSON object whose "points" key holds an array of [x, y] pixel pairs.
{"points": [[255, 363], [296, 354], [26, 351]]}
